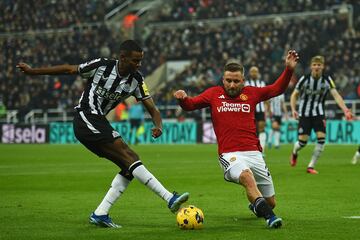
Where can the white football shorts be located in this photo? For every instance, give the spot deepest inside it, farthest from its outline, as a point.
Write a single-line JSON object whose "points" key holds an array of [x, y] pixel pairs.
{"points": [[234, 163]]}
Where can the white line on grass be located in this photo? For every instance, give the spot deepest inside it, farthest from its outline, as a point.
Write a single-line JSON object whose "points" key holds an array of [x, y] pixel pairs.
{"points": [[352, 217]]}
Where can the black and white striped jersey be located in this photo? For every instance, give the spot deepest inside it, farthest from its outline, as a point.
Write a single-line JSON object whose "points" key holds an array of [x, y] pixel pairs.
{"points": [[312, 95], [260, 107], [276, 105], [106, 87]]}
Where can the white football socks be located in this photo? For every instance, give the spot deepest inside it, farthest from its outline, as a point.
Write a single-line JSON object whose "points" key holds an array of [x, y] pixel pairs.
{"points": [[145, 177], [316, 154], [118, 186]]}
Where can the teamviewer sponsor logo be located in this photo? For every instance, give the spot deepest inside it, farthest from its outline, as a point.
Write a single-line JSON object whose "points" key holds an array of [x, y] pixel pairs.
{"points": [[23, 134], [234, 107]]}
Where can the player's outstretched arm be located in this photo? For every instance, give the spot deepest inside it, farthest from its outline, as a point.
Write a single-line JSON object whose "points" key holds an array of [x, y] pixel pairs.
{"points": [[53, 70], [280, 85], [340, 102], [192, 103]]}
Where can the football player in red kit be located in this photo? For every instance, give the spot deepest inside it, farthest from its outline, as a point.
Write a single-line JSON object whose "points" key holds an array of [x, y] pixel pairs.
{"points": [[233, 116]]}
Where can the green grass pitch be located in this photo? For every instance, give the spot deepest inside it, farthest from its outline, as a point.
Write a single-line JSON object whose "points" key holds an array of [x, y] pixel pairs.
{"points": [[48, 192]]}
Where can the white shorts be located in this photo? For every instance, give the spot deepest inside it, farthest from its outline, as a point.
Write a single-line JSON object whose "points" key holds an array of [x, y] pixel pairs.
{"points": [[234, 163]]}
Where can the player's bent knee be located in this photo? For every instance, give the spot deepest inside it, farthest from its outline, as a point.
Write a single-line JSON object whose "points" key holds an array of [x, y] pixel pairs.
{"points": [[302, 143]]}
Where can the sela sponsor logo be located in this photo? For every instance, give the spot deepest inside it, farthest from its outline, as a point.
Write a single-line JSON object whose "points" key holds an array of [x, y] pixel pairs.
{"points": [[105, 93], [234, 107], [23, 134]]}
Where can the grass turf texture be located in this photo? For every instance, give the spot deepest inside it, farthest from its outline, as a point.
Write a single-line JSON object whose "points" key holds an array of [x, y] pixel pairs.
{"points": [[48, 192]]}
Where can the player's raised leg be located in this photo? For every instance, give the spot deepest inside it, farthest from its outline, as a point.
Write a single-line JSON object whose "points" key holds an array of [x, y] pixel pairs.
{"points": [[119, 153]]}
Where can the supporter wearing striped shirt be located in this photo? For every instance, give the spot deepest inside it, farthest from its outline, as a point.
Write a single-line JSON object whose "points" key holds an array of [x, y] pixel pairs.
{"points": [[311, 90]]}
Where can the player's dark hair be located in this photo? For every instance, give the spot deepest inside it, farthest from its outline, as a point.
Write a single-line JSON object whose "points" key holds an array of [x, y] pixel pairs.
{"points": [[234, 67], [130, 46]]}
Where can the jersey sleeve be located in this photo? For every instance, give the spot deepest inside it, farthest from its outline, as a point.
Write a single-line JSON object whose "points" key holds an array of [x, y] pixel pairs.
{"points": [[198, 102], [88, 69], [300, 83], [275, 89], [141, 92], [331, 82]]}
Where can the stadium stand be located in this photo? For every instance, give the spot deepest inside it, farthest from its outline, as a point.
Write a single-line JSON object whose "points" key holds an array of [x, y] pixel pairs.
{"points": [[33, 15], [183, 10], [207, 46]]}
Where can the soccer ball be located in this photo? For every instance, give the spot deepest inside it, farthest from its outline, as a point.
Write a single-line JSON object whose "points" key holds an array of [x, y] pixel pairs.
{"points": [[190, 217]]}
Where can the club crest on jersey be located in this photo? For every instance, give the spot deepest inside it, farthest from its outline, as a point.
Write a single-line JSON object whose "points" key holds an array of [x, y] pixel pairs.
{"points": [[232, 159], [244, 97]]}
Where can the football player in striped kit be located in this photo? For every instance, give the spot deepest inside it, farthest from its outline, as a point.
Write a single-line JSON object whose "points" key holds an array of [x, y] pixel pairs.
{"points": [[110, 82], [312, 90]]}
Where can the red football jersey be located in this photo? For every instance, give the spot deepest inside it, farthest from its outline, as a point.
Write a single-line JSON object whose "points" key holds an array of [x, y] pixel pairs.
{"points": [[234, 118]]}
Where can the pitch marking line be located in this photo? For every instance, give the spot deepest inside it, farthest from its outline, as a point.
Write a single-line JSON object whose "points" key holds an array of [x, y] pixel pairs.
{"points": [[352, 217]]}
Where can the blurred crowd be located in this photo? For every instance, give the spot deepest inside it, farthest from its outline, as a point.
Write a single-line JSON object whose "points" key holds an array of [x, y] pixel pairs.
{"points": [[262, 45], [208, 47], [18, 91], [31, 15], [184, 10]]}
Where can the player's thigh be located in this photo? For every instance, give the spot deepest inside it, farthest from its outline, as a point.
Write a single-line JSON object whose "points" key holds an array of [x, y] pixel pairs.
{"points": [[305, 126], [119, 153], [262, 175], [233, 165], [319, 125]]}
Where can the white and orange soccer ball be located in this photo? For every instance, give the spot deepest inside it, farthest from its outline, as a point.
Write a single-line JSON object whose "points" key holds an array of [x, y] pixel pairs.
{"points": [[190, 217]]}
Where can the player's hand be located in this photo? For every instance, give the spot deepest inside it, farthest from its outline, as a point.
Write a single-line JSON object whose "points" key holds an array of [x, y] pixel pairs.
{"points": [[25, 68], [291, 59], [180, 94], [156, 132], [348, 114], [295, 114]]}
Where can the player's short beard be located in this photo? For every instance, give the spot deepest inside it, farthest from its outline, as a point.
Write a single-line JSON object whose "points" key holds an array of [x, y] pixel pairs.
{"points": [[233, 93]]}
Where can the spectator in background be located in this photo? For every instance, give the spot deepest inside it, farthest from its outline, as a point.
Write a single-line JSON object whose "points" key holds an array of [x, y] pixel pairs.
{"points": [[2, 109], [136, 118], [121, 112]]}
